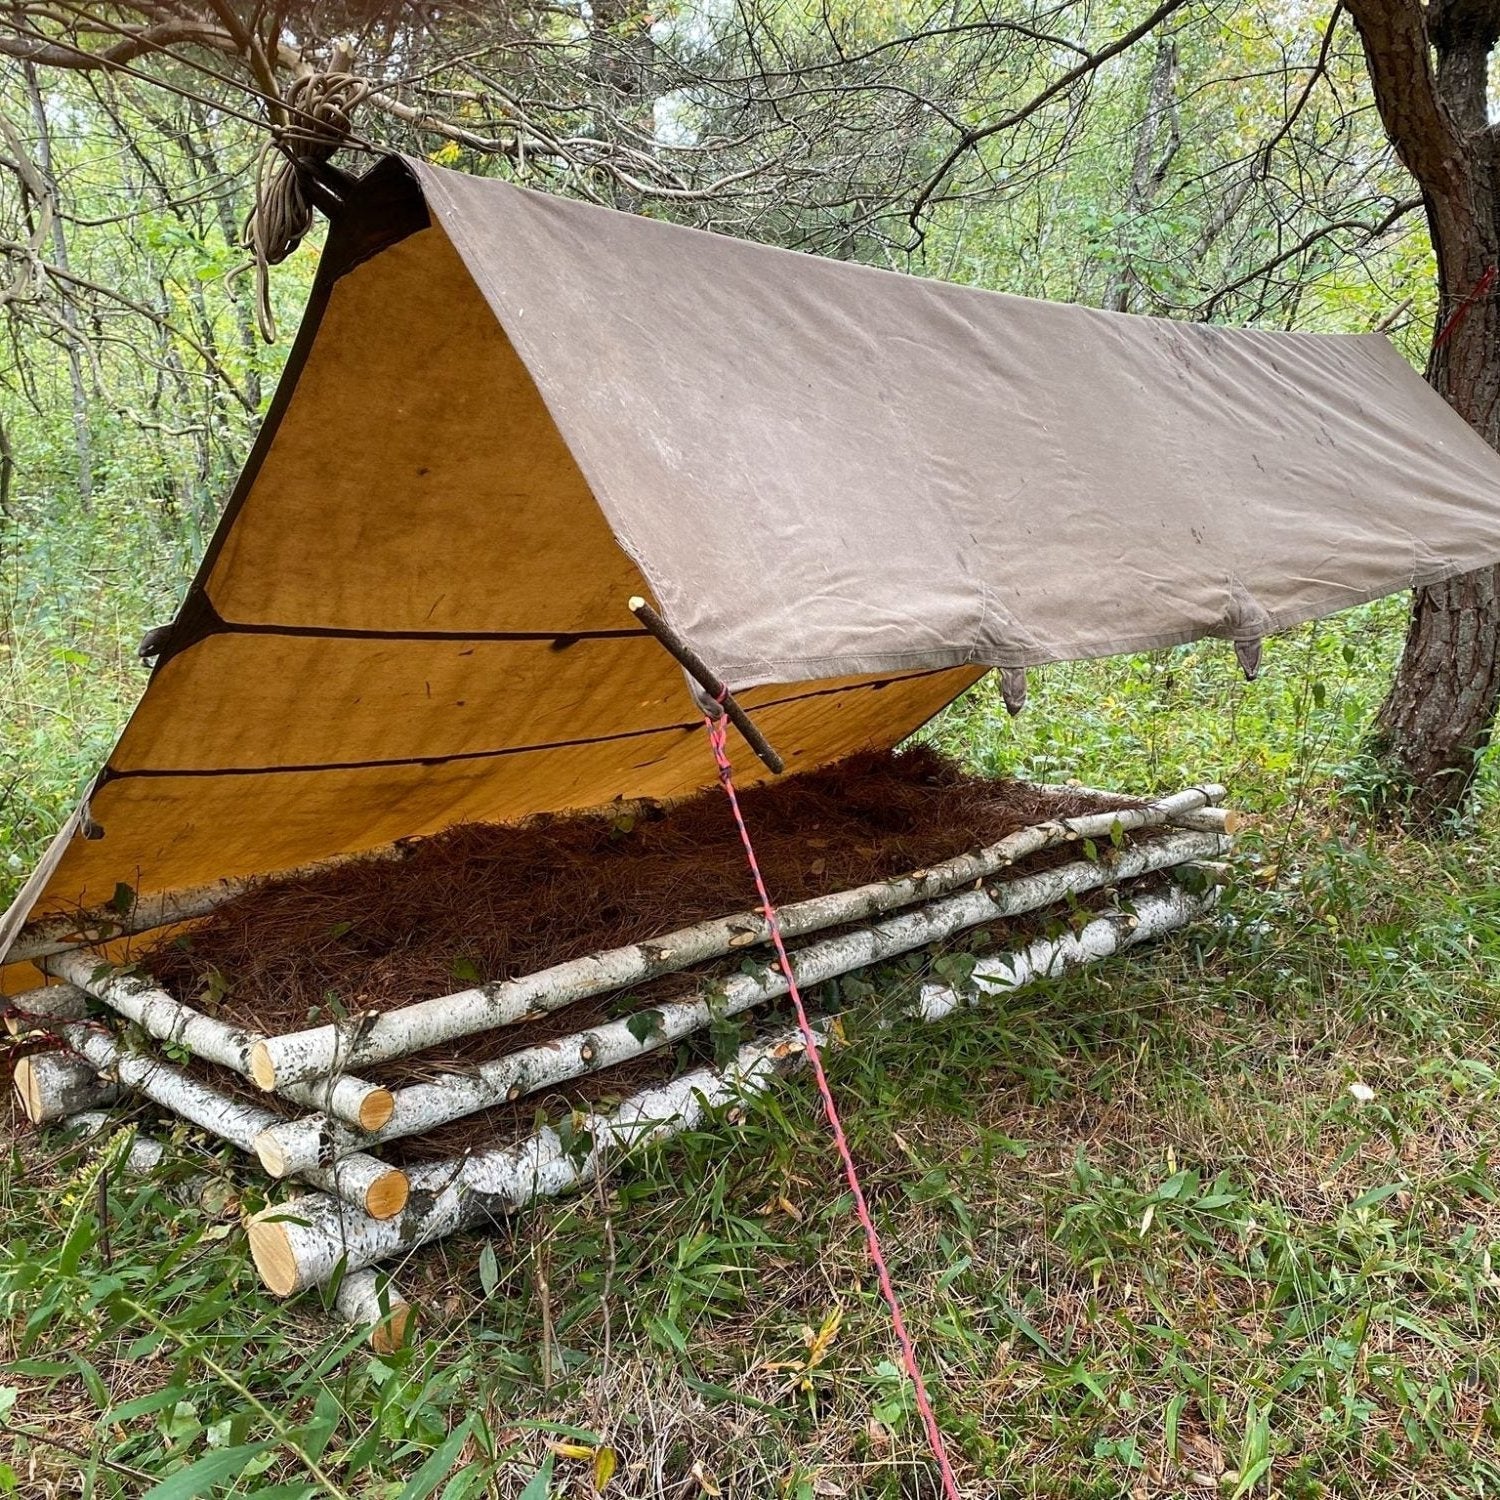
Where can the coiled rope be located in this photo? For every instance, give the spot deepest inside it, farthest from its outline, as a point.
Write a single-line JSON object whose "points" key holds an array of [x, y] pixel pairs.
{"points": [[318, 108]]}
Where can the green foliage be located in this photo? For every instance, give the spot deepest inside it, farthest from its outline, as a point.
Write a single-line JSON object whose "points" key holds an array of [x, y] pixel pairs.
{"points": [[1218, 1218]]}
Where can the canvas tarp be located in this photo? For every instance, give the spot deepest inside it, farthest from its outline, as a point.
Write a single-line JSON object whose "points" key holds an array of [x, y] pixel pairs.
{"points": [[851, 490]]}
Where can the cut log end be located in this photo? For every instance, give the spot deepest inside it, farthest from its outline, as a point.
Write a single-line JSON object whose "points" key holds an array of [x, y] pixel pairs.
{"points": [[271, 1250], [28, 1090], [262, 1069], [375, 1109], [392, 1331], [387, 1195], [1234, 820], [271, 1155]]}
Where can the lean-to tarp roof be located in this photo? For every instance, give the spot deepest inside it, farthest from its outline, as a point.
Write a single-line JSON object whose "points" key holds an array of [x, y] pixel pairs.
{"points": [[850, 490]]}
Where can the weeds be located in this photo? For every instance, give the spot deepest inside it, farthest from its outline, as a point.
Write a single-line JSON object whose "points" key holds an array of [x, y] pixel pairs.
{"points": [[1218, 1218]]}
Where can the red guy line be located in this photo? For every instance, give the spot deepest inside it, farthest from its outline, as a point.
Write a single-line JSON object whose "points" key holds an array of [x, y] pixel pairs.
{"points": [[718, 730]]}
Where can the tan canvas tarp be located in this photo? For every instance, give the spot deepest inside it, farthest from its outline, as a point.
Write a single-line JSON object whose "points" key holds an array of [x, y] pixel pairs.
{"points": [[850, 490]]}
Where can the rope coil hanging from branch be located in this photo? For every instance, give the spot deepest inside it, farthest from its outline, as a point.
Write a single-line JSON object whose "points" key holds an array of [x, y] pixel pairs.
{"points": [[318, 109]]}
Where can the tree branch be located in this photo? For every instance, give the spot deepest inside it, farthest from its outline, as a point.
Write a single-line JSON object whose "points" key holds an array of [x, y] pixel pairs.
{"points": [[1090, 64]]}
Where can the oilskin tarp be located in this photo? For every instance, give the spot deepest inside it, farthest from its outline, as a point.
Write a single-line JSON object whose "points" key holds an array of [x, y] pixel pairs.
{"points": [[850, 490]]}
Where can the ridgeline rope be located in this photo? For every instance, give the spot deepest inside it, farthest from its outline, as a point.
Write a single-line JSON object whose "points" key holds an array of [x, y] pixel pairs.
{"points": [[718, 732], [318, 108]]}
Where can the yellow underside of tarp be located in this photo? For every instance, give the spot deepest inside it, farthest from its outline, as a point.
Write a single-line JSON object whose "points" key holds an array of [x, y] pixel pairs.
{"points": [[415, 499]]}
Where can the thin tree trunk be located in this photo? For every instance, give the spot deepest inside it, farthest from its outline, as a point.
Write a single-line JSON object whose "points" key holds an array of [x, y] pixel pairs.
{"points": [[82, 436], [1430, 71]]}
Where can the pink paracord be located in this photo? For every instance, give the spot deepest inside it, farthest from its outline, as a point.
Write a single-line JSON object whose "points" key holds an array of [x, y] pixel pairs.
{"points": [[718, 730]]}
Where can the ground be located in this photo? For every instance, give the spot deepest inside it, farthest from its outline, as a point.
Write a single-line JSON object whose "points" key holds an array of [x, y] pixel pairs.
{"points": [[1216, 1219]]}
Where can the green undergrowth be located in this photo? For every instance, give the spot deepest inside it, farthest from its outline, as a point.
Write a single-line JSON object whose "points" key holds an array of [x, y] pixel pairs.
{"points": [[1217, 1218]]}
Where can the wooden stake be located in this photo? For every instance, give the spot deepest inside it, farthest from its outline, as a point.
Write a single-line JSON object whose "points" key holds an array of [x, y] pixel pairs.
{"points": [[278, 1061], [701, 673]]}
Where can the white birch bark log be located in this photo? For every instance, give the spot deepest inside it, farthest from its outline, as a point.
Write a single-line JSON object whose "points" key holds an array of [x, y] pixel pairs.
{"points": [[369, 1299], [37, 1010], [367, 1184], [1149, 917], [135, 997], [50, 1086], [62, 932], [303, 1242], [292, 1146], [326, 1050], [48, 936]]}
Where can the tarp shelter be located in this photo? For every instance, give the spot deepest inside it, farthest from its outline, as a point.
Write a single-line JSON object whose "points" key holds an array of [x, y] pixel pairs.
{"points": [[852, 491]]}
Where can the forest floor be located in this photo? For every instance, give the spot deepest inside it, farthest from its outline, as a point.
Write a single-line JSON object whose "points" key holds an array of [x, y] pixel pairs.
{"points": [[1216, 1219]]}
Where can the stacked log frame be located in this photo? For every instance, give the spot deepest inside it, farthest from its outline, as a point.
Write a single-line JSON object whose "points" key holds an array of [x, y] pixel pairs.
{"points": [[384, 1148]]}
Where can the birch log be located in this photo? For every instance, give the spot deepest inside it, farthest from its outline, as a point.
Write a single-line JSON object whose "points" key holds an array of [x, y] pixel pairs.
{"points": [[1151, 916], [303, 1242], [368, 1300], [367, 1184], [62, 932], [292, 1146], [134, 996], [326, 1050], [50, 1086], [38, 1009], [205, 1190]]}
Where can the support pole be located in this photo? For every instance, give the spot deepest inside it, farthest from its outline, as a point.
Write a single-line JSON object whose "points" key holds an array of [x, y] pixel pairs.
{"points": [[701, 673]]}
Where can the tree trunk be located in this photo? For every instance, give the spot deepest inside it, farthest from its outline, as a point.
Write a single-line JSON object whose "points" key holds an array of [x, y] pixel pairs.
{"points": [[82, 434], [1430, 73]]}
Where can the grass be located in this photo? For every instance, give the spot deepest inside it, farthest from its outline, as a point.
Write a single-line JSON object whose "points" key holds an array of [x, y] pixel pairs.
{"points": [[1219, 1218]]}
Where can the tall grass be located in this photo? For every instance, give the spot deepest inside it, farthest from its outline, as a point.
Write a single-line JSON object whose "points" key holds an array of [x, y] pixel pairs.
{"points": [[1216, 1219]]}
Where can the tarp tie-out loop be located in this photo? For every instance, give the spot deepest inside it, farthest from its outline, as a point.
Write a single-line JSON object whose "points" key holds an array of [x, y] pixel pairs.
{"points": [[718, 736], [318, 106]]}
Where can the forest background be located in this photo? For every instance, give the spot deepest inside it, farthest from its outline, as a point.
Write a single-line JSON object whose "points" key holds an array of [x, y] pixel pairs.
{"points": [[1222, 1221]]}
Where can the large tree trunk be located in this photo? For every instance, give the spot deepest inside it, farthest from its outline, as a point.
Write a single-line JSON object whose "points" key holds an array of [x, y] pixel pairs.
{"points": [[1430, 72]]}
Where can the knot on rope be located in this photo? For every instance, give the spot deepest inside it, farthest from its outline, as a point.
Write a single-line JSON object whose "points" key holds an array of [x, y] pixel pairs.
{"points": [[318, 109]]}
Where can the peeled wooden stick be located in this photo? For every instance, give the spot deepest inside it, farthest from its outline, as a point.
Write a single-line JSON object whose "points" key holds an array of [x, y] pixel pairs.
{"points": [[699, 670], [366, 1105], [50, 1086], [291, 1146], [324, 1050], [367, 1184], [303, 1242]]}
